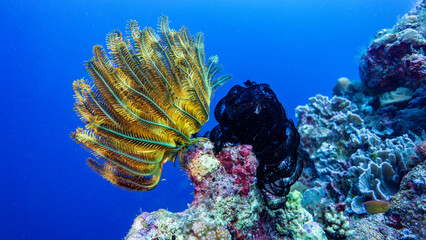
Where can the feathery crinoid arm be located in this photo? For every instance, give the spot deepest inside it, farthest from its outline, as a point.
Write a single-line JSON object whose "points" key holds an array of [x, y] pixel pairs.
{"points": [[144, 102]]}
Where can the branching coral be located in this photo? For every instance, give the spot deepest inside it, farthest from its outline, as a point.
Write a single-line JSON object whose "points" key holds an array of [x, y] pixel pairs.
{"points": [[336, 224], [145, 103]]}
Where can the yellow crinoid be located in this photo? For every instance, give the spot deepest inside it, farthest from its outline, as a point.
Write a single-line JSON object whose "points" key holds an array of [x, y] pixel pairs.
{"points": [[142, 105]]}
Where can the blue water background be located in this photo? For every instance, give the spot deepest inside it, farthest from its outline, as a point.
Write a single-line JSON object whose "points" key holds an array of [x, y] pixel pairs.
{"points": [[299, 47]]}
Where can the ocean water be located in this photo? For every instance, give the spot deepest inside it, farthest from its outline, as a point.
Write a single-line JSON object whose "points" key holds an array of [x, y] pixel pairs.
{"points": [[299, 47]]}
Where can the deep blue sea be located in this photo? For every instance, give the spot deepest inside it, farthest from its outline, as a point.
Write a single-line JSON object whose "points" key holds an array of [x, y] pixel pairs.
{"points": [[299, 47]]}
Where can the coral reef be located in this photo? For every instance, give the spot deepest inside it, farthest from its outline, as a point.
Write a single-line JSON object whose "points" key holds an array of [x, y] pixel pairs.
{"points": [[145, 103], [393, 74], [227, 203], [274, 137], [363, 149], [395, 58], [351, 163]]}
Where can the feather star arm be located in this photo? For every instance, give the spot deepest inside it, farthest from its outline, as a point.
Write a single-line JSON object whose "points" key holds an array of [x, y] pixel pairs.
{"points": [[144, 102]]}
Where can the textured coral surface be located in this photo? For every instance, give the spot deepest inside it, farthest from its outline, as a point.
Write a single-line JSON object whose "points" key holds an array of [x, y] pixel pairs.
{"points": [[408, 211]]}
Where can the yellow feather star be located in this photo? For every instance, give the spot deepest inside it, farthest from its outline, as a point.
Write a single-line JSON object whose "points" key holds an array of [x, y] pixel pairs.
{"points": [[142, 106]]}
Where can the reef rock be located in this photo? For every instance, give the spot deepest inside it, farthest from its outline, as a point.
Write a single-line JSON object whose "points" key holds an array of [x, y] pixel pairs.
{"points": [[392, 91], [408, 211], [395, 58], [227, 203]]}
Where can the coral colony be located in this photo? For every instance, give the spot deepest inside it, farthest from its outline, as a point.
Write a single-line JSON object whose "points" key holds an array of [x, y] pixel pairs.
{"points": [[353, 167]]}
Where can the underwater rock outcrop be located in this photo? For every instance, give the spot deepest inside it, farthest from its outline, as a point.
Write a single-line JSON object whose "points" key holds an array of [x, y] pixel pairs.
{"points": [[395, 58], [227, 203], [393, 77], [252, 114]]}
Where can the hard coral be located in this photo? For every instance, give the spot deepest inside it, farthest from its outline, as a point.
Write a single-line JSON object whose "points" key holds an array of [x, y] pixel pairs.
{"points": [[335, 223], [352, 163], [204, 231], [294, 221]]}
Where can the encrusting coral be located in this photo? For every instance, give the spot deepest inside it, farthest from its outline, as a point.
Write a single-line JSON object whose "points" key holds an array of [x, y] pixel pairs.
{"points": [[145, 104]]}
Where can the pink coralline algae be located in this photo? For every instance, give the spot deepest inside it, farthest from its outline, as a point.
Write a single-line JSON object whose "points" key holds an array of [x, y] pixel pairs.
{"points": [[396, 57], [237, 163], [236, 173]]}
